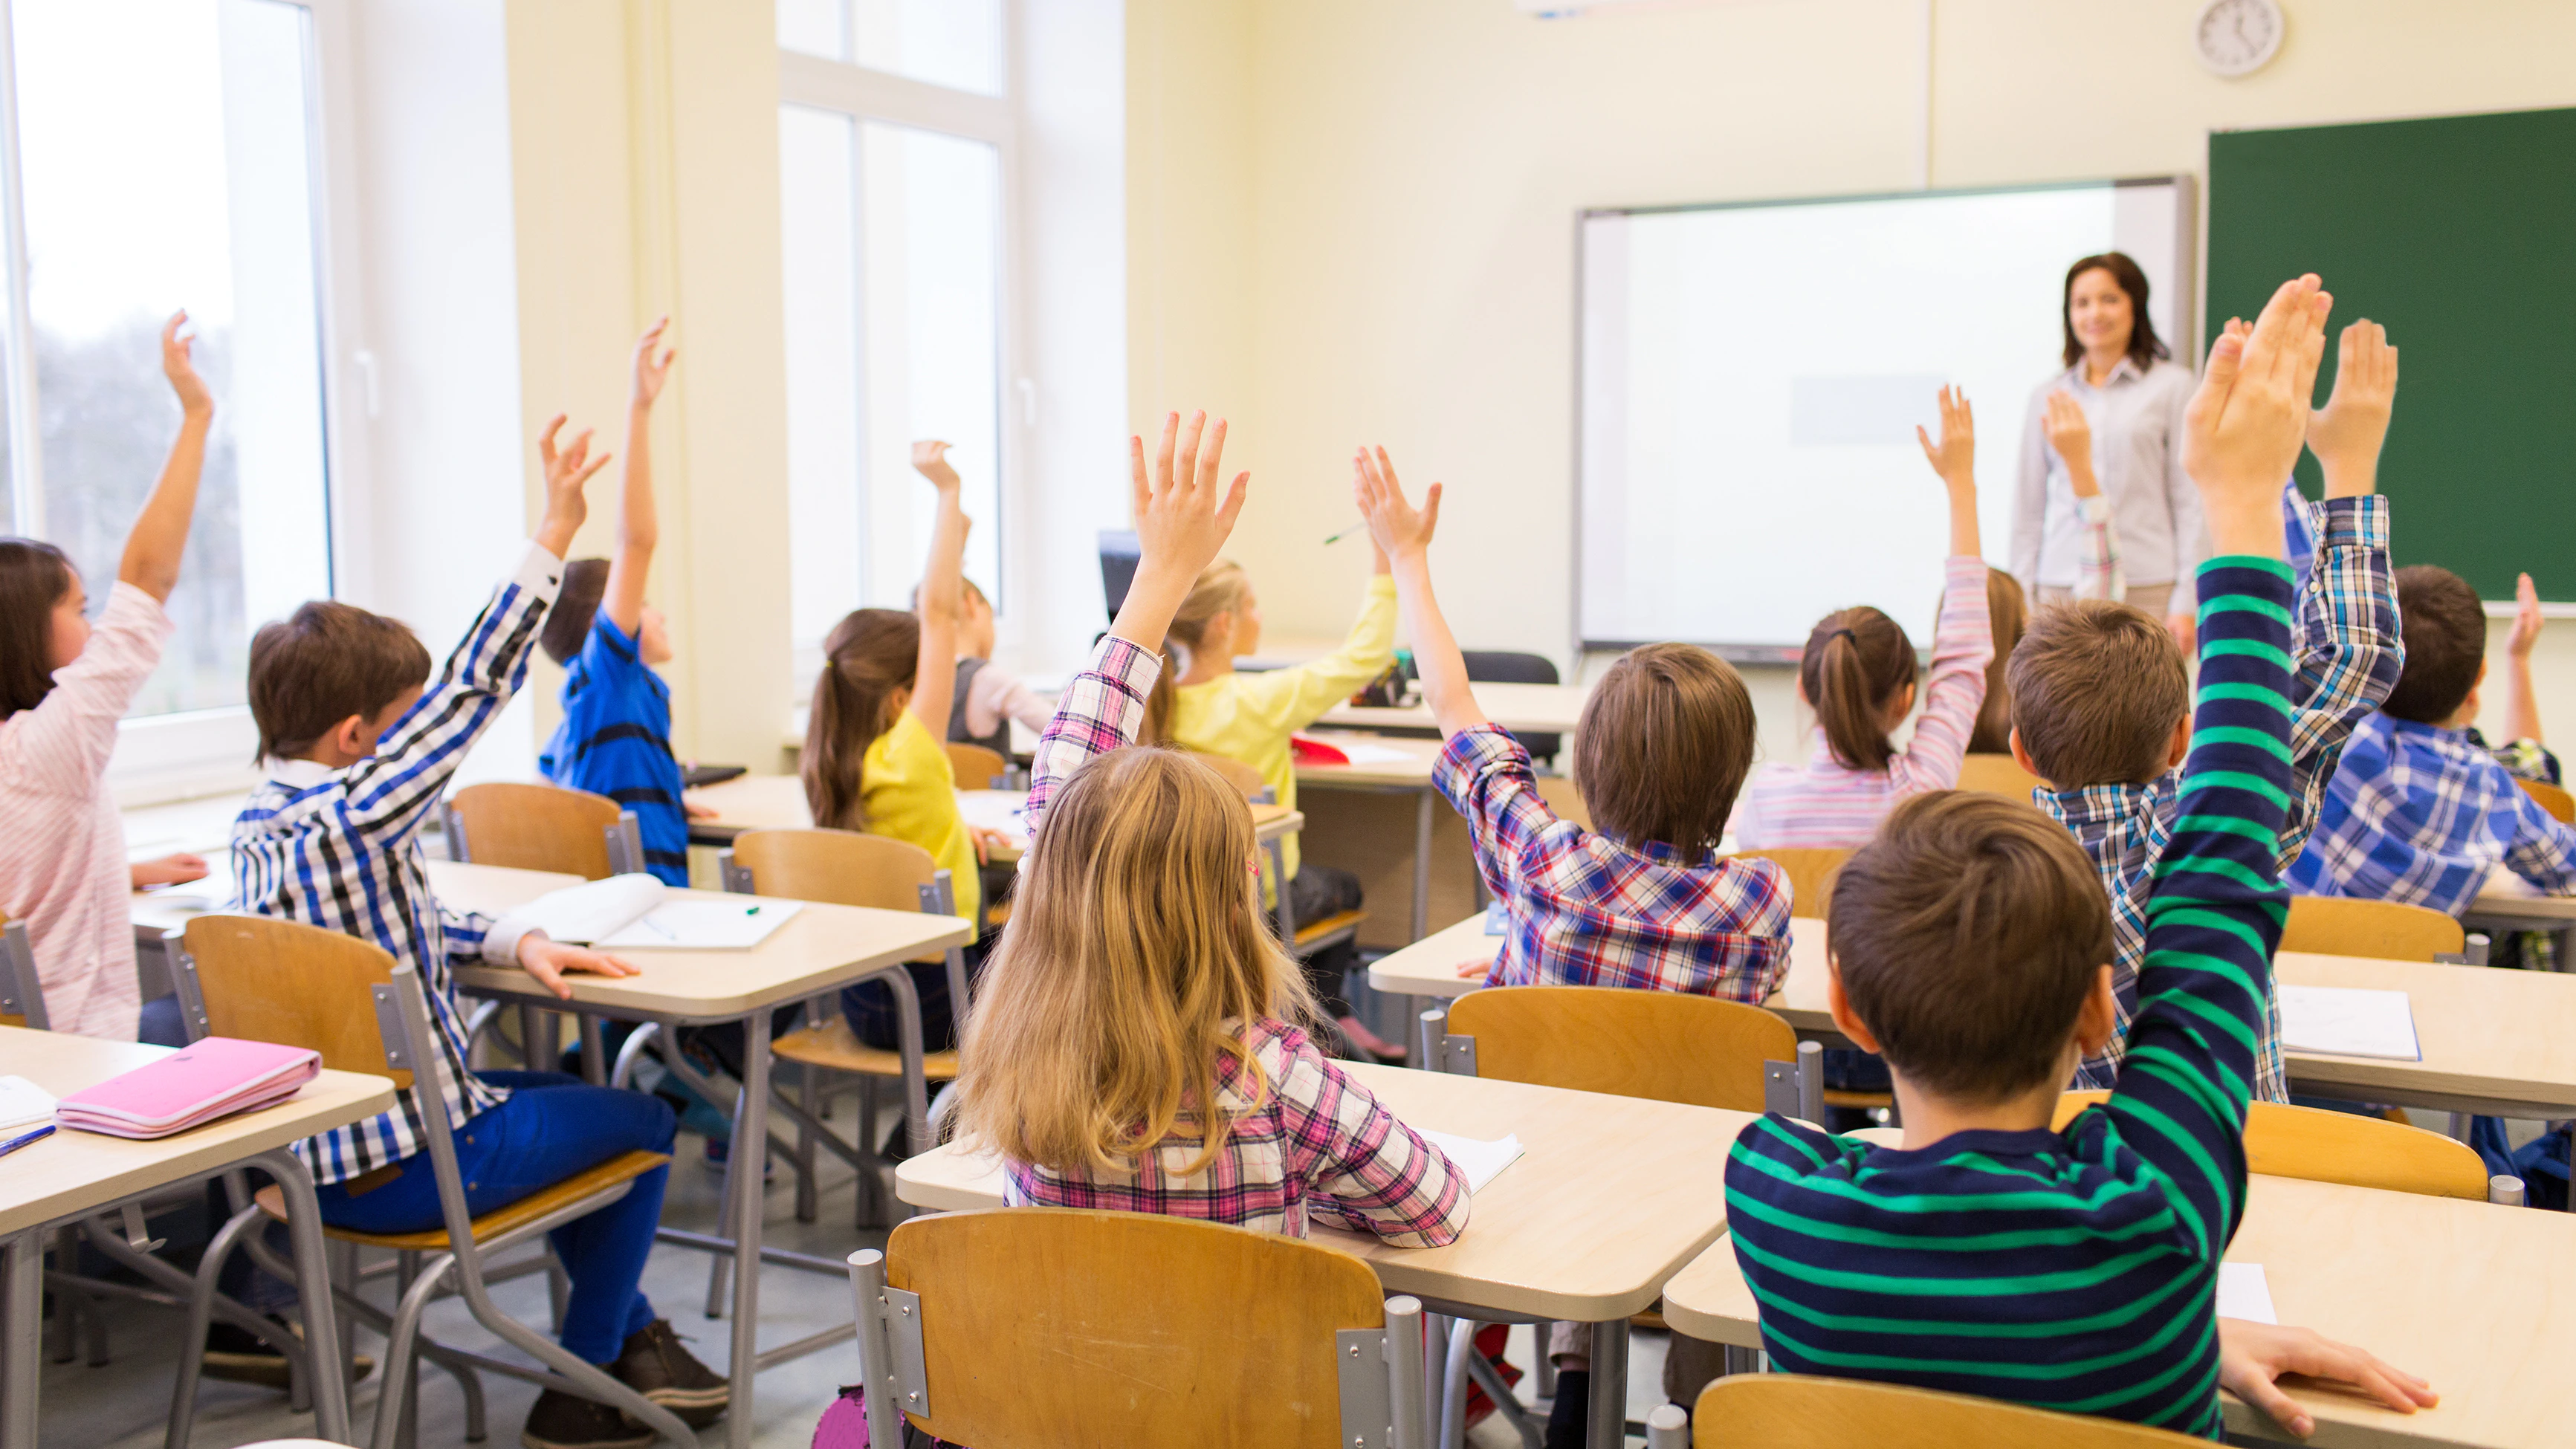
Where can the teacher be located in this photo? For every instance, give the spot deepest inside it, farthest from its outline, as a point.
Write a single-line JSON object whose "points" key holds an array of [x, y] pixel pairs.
{"points": [[2109, 427]]}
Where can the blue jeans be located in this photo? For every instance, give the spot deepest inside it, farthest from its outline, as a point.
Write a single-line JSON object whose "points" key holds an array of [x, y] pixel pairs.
{"points": [[551, 1127]]}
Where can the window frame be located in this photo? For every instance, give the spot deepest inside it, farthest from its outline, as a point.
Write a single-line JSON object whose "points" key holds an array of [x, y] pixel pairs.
{"points": [[193, 753], [863, 94]]}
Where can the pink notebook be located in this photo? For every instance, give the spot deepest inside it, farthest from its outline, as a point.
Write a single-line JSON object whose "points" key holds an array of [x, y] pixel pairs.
{"points": [[214, 1078]]}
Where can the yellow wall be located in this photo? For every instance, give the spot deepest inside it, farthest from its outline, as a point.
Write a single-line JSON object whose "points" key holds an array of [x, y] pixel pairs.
{"points": [[1354, 218], [644, 152]]}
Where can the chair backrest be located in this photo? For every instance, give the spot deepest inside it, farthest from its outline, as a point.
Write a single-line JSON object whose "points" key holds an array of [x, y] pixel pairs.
{"points": [[22, 994], [975, 767], [1246, 780], [1696, 1050], [2560, 805], [535, 827], [1811, 875], [2322, 1146], [1998, 775], [261, 979], [1796, 1411], [1034, 1320], [838, 867], [2335, 926]]}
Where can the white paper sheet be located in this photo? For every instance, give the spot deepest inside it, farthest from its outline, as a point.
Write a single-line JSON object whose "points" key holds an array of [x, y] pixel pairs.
{"points": [[1481, 1160], [2243, 1292], [1002, 810], [2349, 1022], [23, 1103], [1372, 754], [702, 926]]}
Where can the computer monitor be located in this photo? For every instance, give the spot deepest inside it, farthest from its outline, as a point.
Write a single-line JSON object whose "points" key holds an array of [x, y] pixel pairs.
{"points": [[1118, 554]]}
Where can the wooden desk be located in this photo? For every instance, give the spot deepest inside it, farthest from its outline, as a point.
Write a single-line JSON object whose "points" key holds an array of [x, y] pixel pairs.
{"points": [[2480, 1300], [1547, 709], [73, 1174], [824, 948], [1613, 1196], [1369, 842], [777, 802], [2494, 1042]]}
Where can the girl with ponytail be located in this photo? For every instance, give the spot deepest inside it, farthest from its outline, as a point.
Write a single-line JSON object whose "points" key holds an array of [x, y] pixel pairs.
{"points": [[1858, 674]]}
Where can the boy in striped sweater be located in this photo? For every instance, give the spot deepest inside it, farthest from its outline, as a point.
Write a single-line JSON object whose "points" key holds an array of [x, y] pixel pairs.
{"points": [[2072, 1270]]}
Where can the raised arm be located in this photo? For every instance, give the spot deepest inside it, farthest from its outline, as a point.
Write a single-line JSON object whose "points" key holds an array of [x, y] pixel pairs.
{"points": [[2070, 436], [1963, 641], [1184, 513], [638, 530], [934, 682], [2521, 710], [160, 533], [1403, 537]]}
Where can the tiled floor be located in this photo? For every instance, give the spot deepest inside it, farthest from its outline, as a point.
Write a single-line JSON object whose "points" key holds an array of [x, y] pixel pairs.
{"points": [[125, 1404]]}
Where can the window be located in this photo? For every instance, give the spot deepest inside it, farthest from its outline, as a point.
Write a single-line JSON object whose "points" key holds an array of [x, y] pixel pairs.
{"points": [[894, 172], [162, 154]]}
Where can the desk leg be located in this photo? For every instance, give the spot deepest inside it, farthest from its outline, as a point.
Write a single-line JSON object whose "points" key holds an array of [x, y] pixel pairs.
{"points": [[594, 1050], [1609, 1407], [330, 1376], [22, 1312], [1422, 817], [742, 1179]]}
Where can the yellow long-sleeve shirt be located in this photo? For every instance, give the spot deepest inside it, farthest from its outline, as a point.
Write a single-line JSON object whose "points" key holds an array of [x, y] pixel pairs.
{"points": [[1249, 717]]}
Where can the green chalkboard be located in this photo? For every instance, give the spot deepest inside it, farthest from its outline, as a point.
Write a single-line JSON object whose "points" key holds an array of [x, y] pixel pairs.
{"points": [[2459, 234]]}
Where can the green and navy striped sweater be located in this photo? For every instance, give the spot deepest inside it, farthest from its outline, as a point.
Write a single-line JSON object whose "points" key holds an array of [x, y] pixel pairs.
{"points": [[2075, 1271]]}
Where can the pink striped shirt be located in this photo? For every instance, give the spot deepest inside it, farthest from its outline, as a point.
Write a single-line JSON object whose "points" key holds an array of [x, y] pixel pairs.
{"points": [[1826, 803], [62, 847]]}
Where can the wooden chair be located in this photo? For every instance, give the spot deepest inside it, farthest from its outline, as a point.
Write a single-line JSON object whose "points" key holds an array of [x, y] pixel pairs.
{"points": [[1811, 876], [1798, 1411], [22, 994], [1663, 1045], [976, 767], [2335, 926], [2560, 805], [1030, 1328], [850, 868], [1998, 775], [2321, 1146], [262, 979], [541, 827]]}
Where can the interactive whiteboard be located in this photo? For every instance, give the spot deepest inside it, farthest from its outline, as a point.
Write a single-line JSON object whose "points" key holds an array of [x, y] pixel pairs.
{"points": [[1751, 377]]}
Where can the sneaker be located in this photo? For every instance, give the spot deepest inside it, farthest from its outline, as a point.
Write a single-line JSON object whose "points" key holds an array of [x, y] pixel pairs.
{"points": [[237, 1355], [561, 1421], [655, 1365]]}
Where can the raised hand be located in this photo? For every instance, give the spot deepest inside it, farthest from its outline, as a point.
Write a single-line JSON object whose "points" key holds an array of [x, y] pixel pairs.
{"points": [[2346, 435], [651, 371], [1955, 456], [1399, 529], [1185, 511], [2243, 427], [180, 366], [2070, 436], [930, 460], [567, 469], [2526, 620]]}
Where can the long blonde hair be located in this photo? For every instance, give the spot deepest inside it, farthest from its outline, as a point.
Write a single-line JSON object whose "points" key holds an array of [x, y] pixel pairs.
{"points": [[1137, 938], [869, 655]]}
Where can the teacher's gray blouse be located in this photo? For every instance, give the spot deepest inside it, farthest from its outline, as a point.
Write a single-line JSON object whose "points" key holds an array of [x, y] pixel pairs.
{"points": [[2137, 457]]}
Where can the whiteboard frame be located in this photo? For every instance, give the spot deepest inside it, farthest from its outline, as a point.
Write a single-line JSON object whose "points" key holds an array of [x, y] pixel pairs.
{"points": [[2185, 285]]}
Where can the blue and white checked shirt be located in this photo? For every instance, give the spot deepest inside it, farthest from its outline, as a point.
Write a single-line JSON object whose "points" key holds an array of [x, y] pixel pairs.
{"points": [[2349, 656], [2421, 815], [340, 849]]}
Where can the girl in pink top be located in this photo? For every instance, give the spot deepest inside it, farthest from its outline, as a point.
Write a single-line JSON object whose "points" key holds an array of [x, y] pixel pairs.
{"points": [[1857, 672], [64, 684]]}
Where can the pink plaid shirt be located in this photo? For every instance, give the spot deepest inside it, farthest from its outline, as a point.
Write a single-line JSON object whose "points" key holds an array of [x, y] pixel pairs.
{"points": [[1302, 1138], [1587, 910]]}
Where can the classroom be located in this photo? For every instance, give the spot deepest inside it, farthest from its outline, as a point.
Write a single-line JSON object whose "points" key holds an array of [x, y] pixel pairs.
{"points": [[1392, 723]]}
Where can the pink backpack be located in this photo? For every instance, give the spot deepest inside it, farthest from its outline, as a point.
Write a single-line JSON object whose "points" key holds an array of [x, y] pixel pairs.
{"points": [[845, 1426]]}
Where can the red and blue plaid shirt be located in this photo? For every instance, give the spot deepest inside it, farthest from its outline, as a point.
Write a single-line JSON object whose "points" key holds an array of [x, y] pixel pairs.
{"points": [[1302, 1138], [1587, 910]]}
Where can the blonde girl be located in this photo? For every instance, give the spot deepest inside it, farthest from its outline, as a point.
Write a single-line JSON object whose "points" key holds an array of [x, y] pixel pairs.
{"points": [[873, 759], [1136, 1043]]}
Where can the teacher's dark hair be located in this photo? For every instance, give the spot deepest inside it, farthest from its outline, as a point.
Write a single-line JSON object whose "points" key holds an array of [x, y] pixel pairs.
{"points": [[34, 577], [2145, 347]]}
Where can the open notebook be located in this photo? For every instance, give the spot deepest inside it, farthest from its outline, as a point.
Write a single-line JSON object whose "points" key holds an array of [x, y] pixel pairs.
{"points": [[637, 913], [2345, 1021], [1481, 1160]]}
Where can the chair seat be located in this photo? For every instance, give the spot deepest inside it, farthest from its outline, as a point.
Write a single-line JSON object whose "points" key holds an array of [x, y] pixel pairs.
{"points": [[1862, 1101], [535, 1205], [1340, 923], [832, 1047]]}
